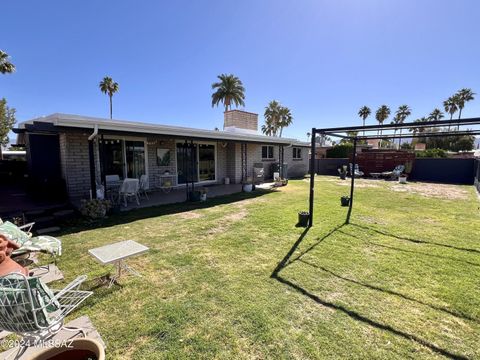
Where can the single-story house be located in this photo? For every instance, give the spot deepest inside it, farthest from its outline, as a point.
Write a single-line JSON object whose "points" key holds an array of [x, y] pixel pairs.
{"points": [[77, 153]]}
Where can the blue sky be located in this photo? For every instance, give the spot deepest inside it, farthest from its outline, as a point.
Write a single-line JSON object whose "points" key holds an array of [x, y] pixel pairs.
{"points": [[323, 59]]}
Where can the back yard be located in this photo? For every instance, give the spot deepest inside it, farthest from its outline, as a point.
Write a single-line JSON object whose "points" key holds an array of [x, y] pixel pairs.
{"points": [[235, 278]]}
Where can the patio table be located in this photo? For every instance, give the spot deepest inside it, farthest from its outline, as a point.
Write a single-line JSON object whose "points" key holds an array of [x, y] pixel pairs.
{"points": [[116, 254]]}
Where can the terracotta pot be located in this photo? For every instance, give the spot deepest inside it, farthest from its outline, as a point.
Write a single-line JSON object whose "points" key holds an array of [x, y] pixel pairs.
{"points": [[76, 349]]}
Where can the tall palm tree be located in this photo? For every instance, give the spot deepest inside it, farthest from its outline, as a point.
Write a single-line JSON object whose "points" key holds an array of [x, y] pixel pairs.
{"points": [[228, 90], [285, 118], [381, 115], [6, 67], [463, 96], [402, 113], [364, 113], [272, 118], [109, 87], [451, 106]]}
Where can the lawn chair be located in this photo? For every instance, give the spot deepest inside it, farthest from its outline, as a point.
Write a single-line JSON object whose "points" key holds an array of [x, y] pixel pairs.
{"points": [[393, 175], [358, 173], [143, 186], [128, 189], [26, 228], [31, 309], [28, 244]]}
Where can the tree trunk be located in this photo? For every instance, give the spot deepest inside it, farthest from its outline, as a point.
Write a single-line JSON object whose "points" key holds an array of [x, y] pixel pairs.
{"points": [[1, 152], [400, 140], [363, 126], [459, 117], [281, 130], [111, 112]]}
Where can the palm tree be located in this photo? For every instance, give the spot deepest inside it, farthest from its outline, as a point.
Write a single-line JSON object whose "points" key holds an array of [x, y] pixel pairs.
{"points": [[463, 96], [285, 118], [436, 115], [364, 113], [110, 87], [228, 90], [451, 106], [381, 115], [272, 118], [308, 135], [402, 113], [6, 67]]}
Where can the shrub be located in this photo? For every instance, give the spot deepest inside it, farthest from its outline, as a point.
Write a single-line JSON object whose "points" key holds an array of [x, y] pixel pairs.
{"points": [[340, 151], [95, 208], [431, 153]]}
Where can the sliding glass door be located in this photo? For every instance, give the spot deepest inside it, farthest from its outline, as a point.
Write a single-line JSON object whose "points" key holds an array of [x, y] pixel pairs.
{"points": [[206, 162], [195, 162], [135, 156], [125, 158]]}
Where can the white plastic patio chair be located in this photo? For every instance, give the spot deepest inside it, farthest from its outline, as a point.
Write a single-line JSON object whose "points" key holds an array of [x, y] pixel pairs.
{"points": [[358, 173], [34, 311], [143, 185], [128, 189]]}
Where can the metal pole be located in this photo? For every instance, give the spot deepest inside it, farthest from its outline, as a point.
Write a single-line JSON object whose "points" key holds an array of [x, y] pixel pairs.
{"points": [[312, 176], [104, 173], [185, 172], [352, 173], [194, 162]]}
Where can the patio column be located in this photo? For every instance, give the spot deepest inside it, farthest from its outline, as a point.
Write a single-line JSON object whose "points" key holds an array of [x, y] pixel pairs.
{"points": [[281, 161], [243, 154]]}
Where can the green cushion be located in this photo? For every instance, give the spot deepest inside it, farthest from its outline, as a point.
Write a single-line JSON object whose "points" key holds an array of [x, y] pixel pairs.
{"points": [[17, 308], [43, 243], [13, 233]]}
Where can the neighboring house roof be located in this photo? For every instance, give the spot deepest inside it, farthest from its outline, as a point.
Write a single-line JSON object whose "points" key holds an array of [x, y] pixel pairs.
{"points": [[89, 123]]}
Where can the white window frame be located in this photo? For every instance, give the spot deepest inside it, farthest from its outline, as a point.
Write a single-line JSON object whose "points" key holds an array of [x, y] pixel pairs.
{"points": [[273, 152]]}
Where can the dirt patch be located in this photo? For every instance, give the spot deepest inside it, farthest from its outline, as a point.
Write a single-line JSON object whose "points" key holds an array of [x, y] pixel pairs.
{"points": [[358, 184], [238, 215], [441, 191], [189, 215], [370, 220]]}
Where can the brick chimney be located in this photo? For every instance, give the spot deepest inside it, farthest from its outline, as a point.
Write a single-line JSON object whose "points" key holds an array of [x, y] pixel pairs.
{"points": [[240, 121]]}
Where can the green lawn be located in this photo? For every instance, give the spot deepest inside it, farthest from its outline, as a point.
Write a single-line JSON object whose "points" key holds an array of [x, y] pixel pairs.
{"points": [[234, 278]]}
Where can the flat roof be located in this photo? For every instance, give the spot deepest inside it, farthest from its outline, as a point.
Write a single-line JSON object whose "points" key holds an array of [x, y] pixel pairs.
{"points": [[89, 123]]}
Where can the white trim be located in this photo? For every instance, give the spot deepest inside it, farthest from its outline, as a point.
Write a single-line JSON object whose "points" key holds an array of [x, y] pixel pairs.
{"points": [[77, 121]]}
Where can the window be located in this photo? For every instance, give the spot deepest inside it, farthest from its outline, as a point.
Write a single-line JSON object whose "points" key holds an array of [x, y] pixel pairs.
{"points": [[267, 152], [297, 153]]}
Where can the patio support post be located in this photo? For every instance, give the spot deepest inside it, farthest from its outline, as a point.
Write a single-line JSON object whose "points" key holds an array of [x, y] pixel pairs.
{"points": [[280, 160], [352, 174], [93, 184], [243, 154], [312, 177], [194, 161], [102, 161], [184, 161]]}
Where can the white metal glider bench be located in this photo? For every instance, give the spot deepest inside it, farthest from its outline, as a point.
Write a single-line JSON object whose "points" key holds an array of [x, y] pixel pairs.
{"points": [[32, 310]]}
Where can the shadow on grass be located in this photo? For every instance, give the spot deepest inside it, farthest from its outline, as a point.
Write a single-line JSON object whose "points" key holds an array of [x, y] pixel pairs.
{"points": [[351, 313], [160, 210], [449, 258], [416, 241], [391, 292]]}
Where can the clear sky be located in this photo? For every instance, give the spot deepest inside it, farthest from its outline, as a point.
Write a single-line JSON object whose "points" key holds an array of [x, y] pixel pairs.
{"points": [[322, 59]]}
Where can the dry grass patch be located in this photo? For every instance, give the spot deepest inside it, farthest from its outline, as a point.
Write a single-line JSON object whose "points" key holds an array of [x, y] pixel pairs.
{"points": [[441, 191]]}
